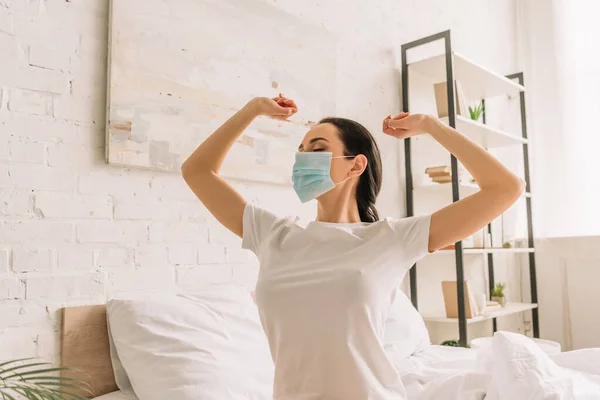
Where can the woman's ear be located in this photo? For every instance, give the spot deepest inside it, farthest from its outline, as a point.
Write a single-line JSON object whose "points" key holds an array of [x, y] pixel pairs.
{"points": [[359, 165]]}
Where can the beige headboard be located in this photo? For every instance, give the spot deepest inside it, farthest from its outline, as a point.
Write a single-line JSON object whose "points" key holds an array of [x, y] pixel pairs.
{"points": [[85, 347]]}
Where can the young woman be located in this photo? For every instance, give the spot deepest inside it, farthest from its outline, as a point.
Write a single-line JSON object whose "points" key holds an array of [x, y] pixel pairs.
{"points": [[324, 289]]}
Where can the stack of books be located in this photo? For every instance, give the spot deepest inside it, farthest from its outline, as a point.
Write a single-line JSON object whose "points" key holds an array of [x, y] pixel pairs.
{"points": [[491, 306], [471, 309], [440, 174]]}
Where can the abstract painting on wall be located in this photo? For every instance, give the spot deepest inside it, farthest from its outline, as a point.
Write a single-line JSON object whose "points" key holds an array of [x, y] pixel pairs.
{"points": [[178, 70]]}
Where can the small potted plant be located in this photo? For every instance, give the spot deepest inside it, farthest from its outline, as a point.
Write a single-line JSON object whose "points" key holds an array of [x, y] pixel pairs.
{"points": [[451, 343], [475, 111], [498, 294]]}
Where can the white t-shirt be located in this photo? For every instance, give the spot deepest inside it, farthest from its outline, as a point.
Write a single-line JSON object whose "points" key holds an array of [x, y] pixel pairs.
{"points": [[323, 293]]}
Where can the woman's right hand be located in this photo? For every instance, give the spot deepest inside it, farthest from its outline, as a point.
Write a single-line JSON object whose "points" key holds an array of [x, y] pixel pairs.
{"points": [[279, 107]]}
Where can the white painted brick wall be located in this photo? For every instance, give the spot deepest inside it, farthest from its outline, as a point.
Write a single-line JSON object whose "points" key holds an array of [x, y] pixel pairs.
{"points": [[16, 203], [65, 205], [181, 254], [14, 314], [127, 232], [29, 259], [178, 232], [199, 274], [26, 151], [76, 231], [49, 58], [211, 254], [30, 102], [140, 208], [42, 178], [74, 257], [6, 21], [65, 287], [33, 230], [4, 260], [113, 258]]}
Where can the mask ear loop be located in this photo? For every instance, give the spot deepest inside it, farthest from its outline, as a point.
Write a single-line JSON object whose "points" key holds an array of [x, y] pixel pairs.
{"points": [[344, 180]]}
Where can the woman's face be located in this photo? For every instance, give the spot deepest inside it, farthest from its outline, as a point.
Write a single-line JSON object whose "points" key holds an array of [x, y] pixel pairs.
{"points": [[325, 138]]}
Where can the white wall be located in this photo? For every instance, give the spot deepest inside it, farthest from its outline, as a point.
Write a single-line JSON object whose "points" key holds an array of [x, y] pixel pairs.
{"points": [[74, 230], [560, 60]]}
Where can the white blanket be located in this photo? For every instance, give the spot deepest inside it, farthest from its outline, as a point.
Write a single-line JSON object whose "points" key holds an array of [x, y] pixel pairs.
{"points": [[515, 368]]}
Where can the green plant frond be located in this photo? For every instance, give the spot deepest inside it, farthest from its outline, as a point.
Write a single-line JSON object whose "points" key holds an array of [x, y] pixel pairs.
{"points": [[475, 111], [38, 371], [39, 393], [58, 378], [14, 361], [18, 367], [65, 385], [66, 395], [7, 396], [39, 384], [498, 290], [33, 394]]}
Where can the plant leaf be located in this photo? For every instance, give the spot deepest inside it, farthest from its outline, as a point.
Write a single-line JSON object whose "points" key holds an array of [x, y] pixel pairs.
{"points": [[2, 372], [7, 396], [66, 385], [61, 378], [14, 361], [22, 380], [38, 371]]}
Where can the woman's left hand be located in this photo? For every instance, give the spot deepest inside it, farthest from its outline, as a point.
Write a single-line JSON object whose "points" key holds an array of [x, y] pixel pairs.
{"points": [[405, 125]]}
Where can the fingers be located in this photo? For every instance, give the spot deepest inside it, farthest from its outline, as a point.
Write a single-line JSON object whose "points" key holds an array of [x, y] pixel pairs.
{"points": [[401, 115], [283, 101], [397, 121], [386, 126], [390, 121], [285, 111], [281, 107], [396, 124]]}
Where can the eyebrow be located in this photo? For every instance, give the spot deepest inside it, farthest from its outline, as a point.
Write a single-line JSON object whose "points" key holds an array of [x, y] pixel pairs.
{"points": [[313, 140]]}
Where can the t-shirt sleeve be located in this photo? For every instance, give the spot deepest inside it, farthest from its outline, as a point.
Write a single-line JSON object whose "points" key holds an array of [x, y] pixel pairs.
{"points": [[412, 234], [258, 225]]}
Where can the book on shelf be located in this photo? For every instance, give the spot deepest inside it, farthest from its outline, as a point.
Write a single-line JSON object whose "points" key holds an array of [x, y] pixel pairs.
{"points": [[442, 173], [451, 300], [442, 179], [442, 168], [441, 99]]}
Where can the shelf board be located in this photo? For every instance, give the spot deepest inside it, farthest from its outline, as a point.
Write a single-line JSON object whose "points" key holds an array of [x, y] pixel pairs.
{"points": [[485, 135], [445, 189], [477, 81], [509, 309], [513, 250], [464, 189]]}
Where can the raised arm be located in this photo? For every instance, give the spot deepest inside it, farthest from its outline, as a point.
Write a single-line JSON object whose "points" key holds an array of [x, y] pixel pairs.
{"points": [[500, 188], [201, 170]]}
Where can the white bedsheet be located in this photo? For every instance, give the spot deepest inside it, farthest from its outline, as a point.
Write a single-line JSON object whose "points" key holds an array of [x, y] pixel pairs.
{"points": [[514, 369]]}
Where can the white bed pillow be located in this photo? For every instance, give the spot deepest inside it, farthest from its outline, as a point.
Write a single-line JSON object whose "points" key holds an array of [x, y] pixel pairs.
{"points": [[207, 345], [405, 332]]}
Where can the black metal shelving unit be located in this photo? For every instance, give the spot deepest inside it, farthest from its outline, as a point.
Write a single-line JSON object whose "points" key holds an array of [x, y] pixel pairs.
{"points": [[452, 121]]}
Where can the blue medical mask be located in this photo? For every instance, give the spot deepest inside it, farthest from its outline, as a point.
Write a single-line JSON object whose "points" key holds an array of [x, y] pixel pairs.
{"points": [[311, 174]]}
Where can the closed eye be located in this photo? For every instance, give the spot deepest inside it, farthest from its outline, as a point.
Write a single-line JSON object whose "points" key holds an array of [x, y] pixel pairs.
{"points": [[318, 149]]}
